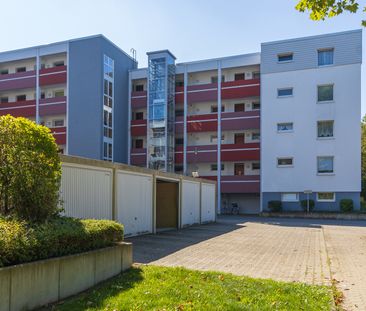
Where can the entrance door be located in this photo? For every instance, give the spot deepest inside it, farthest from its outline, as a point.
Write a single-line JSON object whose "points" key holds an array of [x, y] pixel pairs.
{"points": [[239, 138], [166, 205]]}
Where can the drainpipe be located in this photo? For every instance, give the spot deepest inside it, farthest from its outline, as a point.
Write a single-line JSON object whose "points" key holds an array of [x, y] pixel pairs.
{"points": [[219, 136]]}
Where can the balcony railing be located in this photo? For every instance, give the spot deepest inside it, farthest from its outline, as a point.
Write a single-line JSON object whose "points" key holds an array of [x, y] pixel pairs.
{"points": [[238, 183]]}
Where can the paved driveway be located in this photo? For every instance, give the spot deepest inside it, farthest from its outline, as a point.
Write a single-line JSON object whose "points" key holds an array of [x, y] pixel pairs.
{"points": [[311, 251]]}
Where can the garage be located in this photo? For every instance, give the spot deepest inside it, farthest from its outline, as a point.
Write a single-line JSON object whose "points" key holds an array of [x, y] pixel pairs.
{"points": [[167, 205], [246, 203]]}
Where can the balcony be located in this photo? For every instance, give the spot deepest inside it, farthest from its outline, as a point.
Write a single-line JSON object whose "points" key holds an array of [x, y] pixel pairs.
{"points": [[229, 153], [138, 127], [60, 134], [138, 156], [52, 106], [238, 184], [54, 75], [139, 100], [27, 108], [19, 80], [240, 89]]}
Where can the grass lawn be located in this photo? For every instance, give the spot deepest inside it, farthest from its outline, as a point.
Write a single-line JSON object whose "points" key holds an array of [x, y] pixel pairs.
{"points": [[161, 288]]}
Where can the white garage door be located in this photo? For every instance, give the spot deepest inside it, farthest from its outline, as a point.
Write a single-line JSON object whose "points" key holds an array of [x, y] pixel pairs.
{"points": [[134, 202], [190, 203], [208, 212]]}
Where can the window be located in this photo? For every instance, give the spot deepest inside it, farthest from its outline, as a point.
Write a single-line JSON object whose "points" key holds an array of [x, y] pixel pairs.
{"points": [[289, 197], [4, 99], [286, 57], [325, 57], [256, 75], [214, 109], [139, 116], [325, 129], [179, 113], [59, 93], [58, 123], [179, 83], [4, 71], [238, 169], [21, 69], [179, 141], [139, 143], [59, 63], [325, 93], [325, 165], [325, 196], [214, 138], [139, 87], [256, 166], [285, 92], [107, 151], [256, 105], [20, 98], [284, 162], [239, 107], [214, 79], [256, 136], [214, 167], [43, 95], [239, 76], [178, 168], [285, 127]]}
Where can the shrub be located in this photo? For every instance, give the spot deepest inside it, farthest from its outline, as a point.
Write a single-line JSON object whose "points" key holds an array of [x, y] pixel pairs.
{"points": [[30, 170], [363, 205], [275, 206], [346, 205], [23, 242], [304, 205]]}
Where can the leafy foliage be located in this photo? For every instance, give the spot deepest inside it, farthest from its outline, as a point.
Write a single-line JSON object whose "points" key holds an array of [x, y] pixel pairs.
{"points": [[275, 206], [162, 288], [363, 158], [346, 205], [30, 170], [322, 9], [23, 242], [304, 205]]}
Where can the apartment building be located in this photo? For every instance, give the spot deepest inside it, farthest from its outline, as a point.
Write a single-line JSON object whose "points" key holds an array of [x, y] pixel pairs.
{"points": [[277, 125], [70, 87]]}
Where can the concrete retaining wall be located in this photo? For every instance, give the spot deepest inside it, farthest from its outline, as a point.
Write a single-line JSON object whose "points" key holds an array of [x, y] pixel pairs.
{"points": [[31, 285]]}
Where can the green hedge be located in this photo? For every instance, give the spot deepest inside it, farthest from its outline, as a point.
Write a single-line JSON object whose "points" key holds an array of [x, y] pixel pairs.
{"points": [[346, 205], [275, 206], [304, 205], [23, 242]]}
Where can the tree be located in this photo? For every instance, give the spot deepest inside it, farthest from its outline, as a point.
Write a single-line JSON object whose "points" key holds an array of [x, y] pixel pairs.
{"points": [[322, 9], [363, 157], [30, 170]]}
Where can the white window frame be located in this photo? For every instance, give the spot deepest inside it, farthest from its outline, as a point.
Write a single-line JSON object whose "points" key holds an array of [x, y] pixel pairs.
{"points": [[285, 165], [317, 94], [285, 54], [325, 137], [285, 131], [291, 200], [324, 50], [285, 88], [326, 200], [325, 173]]}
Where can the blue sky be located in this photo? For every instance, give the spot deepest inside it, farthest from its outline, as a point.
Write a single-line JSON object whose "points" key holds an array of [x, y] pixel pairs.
{"points": [[190, 29]]}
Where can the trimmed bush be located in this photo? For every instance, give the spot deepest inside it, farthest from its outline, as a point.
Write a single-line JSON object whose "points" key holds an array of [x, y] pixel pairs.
{"points": [[30, 170], [304, 205], [346, 205], [23, 242], [275, 206], [363, 205]]}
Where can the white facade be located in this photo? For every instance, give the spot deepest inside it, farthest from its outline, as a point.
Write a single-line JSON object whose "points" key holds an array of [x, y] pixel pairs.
{"points": [[304, 111]]}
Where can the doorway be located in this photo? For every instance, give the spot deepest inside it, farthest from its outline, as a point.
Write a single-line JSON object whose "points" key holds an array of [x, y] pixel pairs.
{"points": [[167, 194]]}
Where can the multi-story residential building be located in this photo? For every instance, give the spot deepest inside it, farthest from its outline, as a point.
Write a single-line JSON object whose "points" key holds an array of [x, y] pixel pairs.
{"points": [[77, 88], [282, 124], [297, 103], [310, 120]]}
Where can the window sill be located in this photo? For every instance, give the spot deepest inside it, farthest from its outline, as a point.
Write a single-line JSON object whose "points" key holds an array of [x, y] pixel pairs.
{"points": [[325, 174], [325, 102], [284, 166], [283, 132], [328, 65], [285, 61], [285, 96], [325, 201], [326, 138]]}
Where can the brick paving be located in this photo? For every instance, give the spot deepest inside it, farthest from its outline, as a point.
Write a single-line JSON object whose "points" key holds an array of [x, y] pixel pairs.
{"points": [[304, 250]]}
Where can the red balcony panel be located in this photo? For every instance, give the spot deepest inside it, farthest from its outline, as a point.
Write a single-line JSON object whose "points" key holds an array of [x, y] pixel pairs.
{"points": [[19, 109], [179, 126], [139, 100], [240, 152], [52, 106], [60, 134], [179, 96], [240, 89], [19, 80], [138, 156], [178, 157], [240, 120], [238, 184], [202, 123], [138, 127], [202, 93], [54, 75]]}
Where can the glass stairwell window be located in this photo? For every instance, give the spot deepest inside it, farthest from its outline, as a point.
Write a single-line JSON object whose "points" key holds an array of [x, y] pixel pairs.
{"points": [[108, 101]]}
